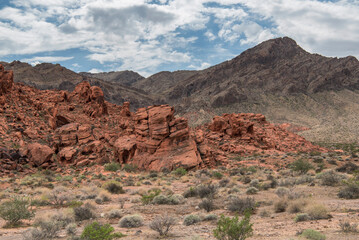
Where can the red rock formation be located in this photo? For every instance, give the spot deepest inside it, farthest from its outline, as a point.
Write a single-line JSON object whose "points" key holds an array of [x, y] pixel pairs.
{"points": [[6, 80], [83, 129]]}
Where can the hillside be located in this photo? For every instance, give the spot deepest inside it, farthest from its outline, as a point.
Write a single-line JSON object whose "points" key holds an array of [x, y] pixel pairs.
{"points": [[54, 76], [127, 78]]}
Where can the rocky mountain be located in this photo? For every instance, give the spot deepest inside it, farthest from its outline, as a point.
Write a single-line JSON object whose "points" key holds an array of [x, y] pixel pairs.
{"points": [[276, 78], [54, 128], [281, 80], [54, 76], [127, 78]]}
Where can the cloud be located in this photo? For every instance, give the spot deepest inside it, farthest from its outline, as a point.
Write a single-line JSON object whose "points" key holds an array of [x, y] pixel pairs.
{"points": [[37, 60], [146, 35]]}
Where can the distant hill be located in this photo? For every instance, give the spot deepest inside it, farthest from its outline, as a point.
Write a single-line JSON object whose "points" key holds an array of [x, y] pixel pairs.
{"points": [[54, 76], [126, 78]]}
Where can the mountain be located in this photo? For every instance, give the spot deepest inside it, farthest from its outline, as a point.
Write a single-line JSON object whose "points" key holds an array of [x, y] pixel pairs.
{"points": [[54, 76], [276, 78], [281, 80], [127, 78]]}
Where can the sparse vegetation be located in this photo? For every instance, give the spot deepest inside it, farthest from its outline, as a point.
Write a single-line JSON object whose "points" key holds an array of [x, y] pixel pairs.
{"points": [[313, 235], [162, 224], [15, 210], [240, 205], [97, 231], [302, 166], [113, 187], [233, 229], [112, 167], [191, 219], [131, 221]]}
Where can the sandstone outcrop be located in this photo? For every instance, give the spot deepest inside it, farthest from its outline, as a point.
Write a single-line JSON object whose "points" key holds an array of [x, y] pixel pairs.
{"points": [[6, 80], [81, 129]]}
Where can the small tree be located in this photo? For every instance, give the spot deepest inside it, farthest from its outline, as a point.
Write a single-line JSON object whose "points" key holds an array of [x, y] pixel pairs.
{"points": [[15, 210], [233, 229], [302, 166]]}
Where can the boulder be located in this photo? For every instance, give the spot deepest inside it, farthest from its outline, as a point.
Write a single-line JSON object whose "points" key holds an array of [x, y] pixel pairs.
{"points": [[39, 154]]}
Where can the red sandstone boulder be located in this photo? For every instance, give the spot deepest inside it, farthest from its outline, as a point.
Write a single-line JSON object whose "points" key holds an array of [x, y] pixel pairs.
{"points": [[39, 154], [6, 80], [125, 148], [66, 155]]}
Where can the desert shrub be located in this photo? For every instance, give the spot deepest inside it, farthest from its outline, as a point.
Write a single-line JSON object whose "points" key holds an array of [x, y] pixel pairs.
{"points": [[15, 210], [171, 200], [301, 217], [282, 191], [302, 166], [207, 204], [151, 194], [113, 187], [317, 211], [62, 219], [330, 178], [210, 217], [131, 221], [112, 167], [97, 231], [350, 190], [114, 213], [346, 227], [191, 219], [59, 196], [217, 175], [162, 224], [296, 206], [252, 190], [84, 212], [240, 205], [313, 235], [233, 229], [254, 183], [43, 231], [224, 182], [180, 171], [129, 168], [74, 203], [191, 192], [280, 206], [206, 191]]}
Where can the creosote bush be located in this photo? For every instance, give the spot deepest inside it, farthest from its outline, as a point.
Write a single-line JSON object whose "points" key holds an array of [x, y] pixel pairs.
{"points": [[240, 205], [313, 235], [97, 231], [15, 210], [151, 194], [350, 190], [180, 171], [131, 221], [207, 204], [233, 228], [162, 224], [84, 212], [191, 219], [113, 187], [302, 166], [112, 167]]}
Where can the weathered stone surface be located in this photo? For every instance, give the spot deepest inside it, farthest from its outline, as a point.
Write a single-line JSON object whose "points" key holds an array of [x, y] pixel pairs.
{"points": [[39, 154], [6, 80]]}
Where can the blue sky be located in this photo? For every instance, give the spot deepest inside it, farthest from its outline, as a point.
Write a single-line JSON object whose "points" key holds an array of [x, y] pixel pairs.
{"points": [[148, 36]]}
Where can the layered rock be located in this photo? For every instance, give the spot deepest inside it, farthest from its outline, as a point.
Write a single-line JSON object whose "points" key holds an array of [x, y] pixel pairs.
{"points": [[160, 141]]}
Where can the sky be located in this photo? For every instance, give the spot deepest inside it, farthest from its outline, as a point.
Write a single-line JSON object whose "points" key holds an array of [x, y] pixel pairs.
{"points": [[149, 36]]}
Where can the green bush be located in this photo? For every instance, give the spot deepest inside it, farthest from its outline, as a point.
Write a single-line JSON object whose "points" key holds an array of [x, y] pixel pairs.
{"points": [[171, 200], [217, 175], [15, 210], [302, 166], [180, 171], [301, 217], [313, 235], [113, 187], [112, 167], [233, 229], [97, 231], [152, 193], [129, 168], [191, 219]]}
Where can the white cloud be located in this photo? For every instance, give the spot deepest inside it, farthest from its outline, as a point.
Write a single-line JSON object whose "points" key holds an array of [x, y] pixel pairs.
{"points": [[95, 70], [142, 36]]}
